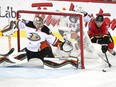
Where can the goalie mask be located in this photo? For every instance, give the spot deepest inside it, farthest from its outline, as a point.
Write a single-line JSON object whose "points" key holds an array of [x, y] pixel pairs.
{"points": [[38, 22]]}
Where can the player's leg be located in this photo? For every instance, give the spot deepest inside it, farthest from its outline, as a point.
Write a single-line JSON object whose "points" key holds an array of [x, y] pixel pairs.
{"points": [[31, 54], [47, 52], [110, 48], [110, 43]]}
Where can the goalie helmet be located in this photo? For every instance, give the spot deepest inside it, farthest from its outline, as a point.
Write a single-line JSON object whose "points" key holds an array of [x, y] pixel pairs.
{"points": [[38, 22]]}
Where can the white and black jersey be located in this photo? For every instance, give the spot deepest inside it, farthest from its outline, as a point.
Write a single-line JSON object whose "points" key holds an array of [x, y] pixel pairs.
{"points": [[36, 37]]}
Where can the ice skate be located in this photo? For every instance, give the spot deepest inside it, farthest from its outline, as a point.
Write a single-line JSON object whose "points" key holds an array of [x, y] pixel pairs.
{"points": [[112, 52]]}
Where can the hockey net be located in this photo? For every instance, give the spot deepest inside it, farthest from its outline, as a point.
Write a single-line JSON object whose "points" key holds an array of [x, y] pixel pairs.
{"points": [[63, 25]]}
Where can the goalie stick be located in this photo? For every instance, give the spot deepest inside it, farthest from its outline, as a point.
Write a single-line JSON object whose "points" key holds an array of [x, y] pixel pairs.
{"points": [[9, 52]]}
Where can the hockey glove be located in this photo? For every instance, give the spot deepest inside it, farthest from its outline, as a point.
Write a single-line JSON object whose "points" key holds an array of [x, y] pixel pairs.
{"points": [[106, 39], [67, 46], [93, 39], [104, 48], [100, 40]]}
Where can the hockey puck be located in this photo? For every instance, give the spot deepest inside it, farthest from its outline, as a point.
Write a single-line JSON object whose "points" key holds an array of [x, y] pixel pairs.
{"points": [[103, 70]]}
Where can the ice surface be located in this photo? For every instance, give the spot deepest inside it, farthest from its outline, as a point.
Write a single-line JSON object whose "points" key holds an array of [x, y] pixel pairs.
{"points": [[91, 76]]}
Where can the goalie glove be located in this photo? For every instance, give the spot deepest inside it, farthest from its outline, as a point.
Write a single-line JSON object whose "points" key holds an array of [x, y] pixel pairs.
{"points": [[104, 48], [9, 29], [66, 46]]}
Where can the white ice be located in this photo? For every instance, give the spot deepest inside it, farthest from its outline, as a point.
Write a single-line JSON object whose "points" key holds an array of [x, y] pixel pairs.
{"points": [[91, 76]]}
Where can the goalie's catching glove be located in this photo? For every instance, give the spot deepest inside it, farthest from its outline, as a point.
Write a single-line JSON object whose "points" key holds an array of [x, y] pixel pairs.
{"points": [[66, 46], [104, 48]]}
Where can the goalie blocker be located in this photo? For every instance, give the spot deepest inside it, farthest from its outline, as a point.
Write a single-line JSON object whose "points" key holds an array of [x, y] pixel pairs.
{"points": [[9, 29]]}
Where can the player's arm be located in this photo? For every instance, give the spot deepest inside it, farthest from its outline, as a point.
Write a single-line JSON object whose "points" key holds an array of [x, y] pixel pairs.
{"points": [[106, 34], [87, 17], [91, 34]]}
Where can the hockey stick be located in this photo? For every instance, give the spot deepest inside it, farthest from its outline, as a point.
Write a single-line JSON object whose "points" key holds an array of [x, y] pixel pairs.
{"points": [[108, 60], [9, 52], [103, 58]]}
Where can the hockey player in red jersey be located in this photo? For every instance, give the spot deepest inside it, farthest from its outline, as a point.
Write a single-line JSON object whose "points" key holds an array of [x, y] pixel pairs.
{"points": [[98, 33]]}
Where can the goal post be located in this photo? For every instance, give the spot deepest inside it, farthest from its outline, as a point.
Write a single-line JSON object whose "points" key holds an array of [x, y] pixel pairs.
{"points": [[55, 13]]}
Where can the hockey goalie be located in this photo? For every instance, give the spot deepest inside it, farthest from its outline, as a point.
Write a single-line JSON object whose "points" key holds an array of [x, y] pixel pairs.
{"points": [[39, 40]]}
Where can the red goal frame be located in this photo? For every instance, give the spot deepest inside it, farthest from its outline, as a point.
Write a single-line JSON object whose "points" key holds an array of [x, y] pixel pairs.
{"points": [[55, 13]]}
